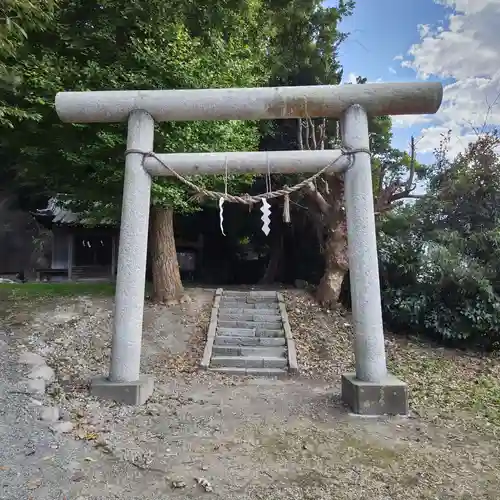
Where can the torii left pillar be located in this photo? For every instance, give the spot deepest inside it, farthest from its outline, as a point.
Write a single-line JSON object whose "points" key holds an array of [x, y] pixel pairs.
{"points": [[125, 383]]}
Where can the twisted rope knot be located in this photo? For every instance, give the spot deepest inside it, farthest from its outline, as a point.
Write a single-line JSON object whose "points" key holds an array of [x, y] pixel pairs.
{"points": [[247, 199]]}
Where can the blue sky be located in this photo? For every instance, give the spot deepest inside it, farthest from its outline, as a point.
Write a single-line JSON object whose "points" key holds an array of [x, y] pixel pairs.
{"points": [[456, 42], [379, 31]]}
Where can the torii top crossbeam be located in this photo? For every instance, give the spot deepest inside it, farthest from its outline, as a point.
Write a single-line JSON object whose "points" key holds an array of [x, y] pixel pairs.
{"points": [[250, 103]]}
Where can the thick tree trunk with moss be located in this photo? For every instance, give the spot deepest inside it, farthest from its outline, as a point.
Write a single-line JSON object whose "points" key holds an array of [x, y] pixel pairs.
{"points": [[167, 284], [336, 264]]}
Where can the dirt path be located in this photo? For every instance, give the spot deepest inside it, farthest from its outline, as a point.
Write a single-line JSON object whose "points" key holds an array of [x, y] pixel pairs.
{"points": [[250, 439]]}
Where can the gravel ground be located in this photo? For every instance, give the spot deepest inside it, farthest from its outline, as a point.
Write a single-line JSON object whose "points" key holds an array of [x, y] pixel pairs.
{"points": [[36, 462], [205, 435]]}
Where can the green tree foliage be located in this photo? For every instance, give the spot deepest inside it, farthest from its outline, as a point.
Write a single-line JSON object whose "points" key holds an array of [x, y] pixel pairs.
{"points": [[304, 52], [440, 259], [122, 45], [16, 18]]}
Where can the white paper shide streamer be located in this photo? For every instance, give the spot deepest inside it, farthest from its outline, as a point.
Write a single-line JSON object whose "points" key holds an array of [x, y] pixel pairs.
{"points": [[221, 215], [221, 200], [266, 220]]}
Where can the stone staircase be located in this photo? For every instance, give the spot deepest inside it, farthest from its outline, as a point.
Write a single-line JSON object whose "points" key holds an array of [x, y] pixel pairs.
{"points": [[249, 334]]}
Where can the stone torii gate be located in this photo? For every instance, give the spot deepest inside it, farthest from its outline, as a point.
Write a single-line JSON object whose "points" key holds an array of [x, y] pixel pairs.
{"points": [[371, 389]]}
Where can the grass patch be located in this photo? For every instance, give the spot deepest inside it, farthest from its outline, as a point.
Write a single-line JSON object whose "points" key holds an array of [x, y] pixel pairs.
{"points": [[49, 290], [370, 454], [449, 383]]}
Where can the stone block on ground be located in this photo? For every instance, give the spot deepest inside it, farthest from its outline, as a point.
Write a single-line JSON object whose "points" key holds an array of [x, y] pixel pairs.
{"points": [[42, 372], [33, 386], [30, 358], [129, 393], [49, 414], [61, 427], [389, 397]]}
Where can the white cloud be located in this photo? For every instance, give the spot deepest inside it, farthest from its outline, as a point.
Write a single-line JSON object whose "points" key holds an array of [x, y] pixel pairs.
{"points": [[399, 57], [351, 78], [392, 70], [406, 121], [466, 50]]}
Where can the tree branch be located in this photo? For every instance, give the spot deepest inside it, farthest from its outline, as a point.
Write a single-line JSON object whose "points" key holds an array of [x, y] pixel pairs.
{"points": [[307, 140], [322, 204], [313, 133], [381, 179], [392, 193], [299, 134], [322, 136], [409, 182]]}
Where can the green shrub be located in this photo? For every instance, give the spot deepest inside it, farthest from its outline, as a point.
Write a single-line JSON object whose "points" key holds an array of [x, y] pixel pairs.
{"points": [[440, 288]]}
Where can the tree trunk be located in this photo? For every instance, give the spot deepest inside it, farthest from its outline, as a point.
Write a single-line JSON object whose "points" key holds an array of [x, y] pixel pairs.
{"points": [[274, 264], [336, 265], [167, 284]]}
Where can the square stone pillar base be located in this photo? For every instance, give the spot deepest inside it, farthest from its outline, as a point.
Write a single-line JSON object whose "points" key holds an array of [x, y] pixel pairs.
{"points": [[129, 393], [389, 397]]}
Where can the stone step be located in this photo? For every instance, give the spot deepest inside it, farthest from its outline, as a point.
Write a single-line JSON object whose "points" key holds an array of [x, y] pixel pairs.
{"points": [[236, 332], [249, 332], [259, 325], [251, 293], [255, 372], [248, 362], [263, 351], [249, 336], [249, 300], [234, 340], [248, 310], [244, 307], [223, 316], [265, 301]]}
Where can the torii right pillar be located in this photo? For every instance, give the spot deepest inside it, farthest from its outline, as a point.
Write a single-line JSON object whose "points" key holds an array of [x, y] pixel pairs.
{"points": [[371, 390]]}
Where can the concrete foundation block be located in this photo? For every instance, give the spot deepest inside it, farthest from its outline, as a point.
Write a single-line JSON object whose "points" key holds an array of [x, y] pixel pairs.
{"points": [[389, 397], [129, 393]]}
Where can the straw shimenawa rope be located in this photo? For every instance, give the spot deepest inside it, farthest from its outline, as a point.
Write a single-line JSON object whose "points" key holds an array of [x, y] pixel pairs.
{"points": [[247, 199]]}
